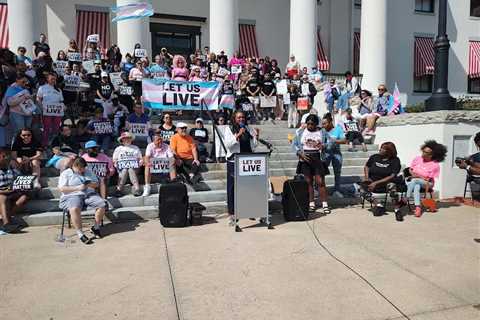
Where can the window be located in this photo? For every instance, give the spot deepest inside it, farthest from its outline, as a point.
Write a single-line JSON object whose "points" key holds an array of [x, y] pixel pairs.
{"points": [[424, 5], [423, 84], [475, 8], [474, 85]]}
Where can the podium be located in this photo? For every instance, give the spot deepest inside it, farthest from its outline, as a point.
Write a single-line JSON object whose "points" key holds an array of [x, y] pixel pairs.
{"points": [[251, 187]]}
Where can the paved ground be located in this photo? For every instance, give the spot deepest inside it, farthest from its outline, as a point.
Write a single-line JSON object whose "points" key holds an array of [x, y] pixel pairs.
{"points": [[426, 268]]}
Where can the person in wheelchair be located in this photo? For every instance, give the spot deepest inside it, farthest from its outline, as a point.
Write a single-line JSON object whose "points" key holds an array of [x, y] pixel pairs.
{"points": [[381, 176], [472, 163]]}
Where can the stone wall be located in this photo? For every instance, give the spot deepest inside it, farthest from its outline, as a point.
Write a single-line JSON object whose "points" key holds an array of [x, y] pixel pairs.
{"points": [[444, 117]]}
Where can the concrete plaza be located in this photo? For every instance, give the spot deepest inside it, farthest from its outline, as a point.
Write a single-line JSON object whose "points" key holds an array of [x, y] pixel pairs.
{"points": [[422, 269]]}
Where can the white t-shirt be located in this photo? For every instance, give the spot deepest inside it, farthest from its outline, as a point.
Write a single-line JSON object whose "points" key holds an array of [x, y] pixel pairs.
{"points": [[129, 152], [310, 139], [69, 178], [49, 94]]}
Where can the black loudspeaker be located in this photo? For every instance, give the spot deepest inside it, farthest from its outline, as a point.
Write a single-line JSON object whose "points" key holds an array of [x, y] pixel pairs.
{"points": [[295, 200], [173, 205]]}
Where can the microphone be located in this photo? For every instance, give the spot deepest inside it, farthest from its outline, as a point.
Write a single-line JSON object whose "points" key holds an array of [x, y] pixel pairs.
{"points": [[265, 143]]}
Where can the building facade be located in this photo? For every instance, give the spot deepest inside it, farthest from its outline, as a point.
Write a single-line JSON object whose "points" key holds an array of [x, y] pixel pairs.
{"points": [[388, 41]]}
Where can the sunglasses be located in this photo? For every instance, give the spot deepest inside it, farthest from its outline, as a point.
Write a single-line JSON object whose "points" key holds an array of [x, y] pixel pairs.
{"points": [[184, 128], [381, 89]]}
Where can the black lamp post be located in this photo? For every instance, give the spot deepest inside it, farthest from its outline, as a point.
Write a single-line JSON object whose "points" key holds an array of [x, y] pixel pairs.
{"points": [[441, 98]]}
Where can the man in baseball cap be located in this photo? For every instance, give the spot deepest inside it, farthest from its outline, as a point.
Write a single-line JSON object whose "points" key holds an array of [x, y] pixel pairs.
{"points": [[186, 154]]}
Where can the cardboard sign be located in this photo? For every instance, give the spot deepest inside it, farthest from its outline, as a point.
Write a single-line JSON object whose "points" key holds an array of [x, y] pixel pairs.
{"points": [[103, 127], [72, 81], [282, 87], [93, 38], [100, 169], [246, 107], [128, 164], [140, 53], [222, 72], [305, 89], [74, 57], [252, 166], [268, 102], [302, 104], [159, 165], [236, 69], [116, 79], [139, 129], [351, 126], [60, 67], [286, 98], [53, 109], [89, 66], [125, 91], [23, 183]]}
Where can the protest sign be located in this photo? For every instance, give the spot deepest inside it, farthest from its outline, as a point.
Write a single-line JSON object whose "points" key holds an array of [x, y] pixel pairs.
{"points": [[72, 81], [140, 53], [227, 101], [282, 87], [93, 38], [89, 66], [23, 183], [100, 169], [180, 95], [351, 126], [139, 129], [74, 56], [102, 127], [125, 90], [128, 163], [252, 166], [236, 69], [247, 106], [305, 89], [159, 165], [302, 104], [54, 109], [223, 72], [254, 100], [268, 102], [60, 67], [286, 98], [116, 79]]}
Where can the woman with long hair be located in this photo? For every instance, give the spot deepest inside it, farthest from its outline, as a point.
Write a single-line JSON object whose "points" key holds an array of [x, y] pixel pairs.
{"points": [[179, 68]]}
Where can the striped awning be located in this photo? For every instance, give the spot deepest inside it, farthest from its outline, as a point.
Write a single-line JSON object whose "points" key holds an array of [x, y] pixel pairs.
{"points": [[248, 40], [93, 22], [4, 26], [424, 56], [322, 59], [356, 52], [474, 60]]}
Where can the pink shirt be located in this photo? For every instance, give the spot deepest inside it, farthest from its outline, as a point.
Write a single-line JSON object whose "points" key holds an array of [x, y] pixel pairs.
{"points": [[430, 170], [163, 151], [101, 158], [180, 74]]}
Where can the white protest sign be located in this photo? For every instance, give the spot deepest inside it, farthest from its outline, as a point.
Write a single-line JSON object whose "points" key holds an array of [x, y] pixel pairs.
{"points": [[74, 56], [128, 163], [351, 126], [100, 169], [139, 129], [159, 165], [54, 109], [200, 133], [305, 89], [268, 102], [222, 72], [252, 166], [23, 183], [102, 127], [282, 87], [89, 66], [93, 38], [286, 98], [254, 100], [140, 53], [116, 79], [236, 69], [60, 67], [125, 91], [72, 81], [246, 107]]}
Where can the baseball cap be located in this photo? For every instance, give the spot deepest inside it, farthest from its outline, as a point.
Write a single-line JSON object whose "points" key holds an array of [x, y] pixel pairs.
{"points": [[182, 125], [91, 144], [199, 120]]}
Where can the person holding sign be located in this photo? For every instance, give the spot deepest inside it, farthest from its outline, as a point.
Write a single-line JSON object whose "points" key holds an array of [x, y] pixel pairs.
{"points": [[10, 200], [100, 164], [352, 130], [159, 160], [101, 129], [50, 97], [268, 90], [167, 128], [200, 135], [27, 153], [186, 154], [19, 100], [158, 69], [135, 76], [77, 186], [127, 158], [138, 123]]}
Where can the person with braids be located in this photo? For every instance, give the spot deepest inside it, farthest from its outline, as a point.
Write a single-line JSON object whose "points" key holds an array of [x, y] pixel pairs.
{"points": [[423, 171]]}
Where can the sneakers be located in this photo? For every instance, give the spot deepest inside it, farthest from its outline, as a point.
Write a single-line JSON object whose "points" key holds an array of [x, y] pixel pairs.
{"points": [[312, 205], [418, 212], [85, 239], [36, 184], [137, 193], [378, 211], [118, 193], [10, 228], [398, 215], [146, 190], [96, 232]]}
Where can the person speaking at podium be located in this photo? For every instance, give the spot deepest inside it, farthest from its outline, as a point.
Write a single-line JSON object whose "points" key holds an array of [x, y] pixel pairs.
{"points": [[239, 138]]}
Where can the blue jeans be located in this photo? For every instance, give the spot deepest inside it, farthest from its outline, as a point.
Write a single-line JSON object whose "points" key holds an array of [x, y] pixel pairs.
{"points": [[342, 102], [336, 159], [18, 122], [415, 185], [330, 103]]}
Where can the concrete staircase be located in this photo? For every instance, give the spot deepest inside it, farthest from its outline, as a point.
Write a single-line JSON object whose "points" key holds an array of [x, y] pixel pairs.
{"points": [[44, 209]]}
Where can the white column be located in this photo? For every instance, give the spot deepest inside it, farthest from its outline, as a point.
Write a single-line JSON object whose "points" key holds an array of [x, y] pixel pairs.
{"points": [[223, 26], [373, 43], [130, 32], [23, 30], [303, 31]]}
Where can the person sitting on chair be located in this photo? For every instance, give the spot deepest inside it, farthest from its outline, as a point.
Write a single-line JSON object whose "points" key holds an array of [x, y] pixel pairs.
{"points": [[78, 185], [200, 135], [158, 150], [186, 154], [472, 163]]}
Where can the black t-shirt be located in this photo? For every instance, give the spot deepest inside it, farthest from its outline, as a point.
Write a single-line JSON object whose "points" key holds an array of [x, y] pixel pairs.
{"points": [[268, 87], [253, 85], [167, 134], [94, 80], [199, 134], [26, 150], [106, 90], [66, 144], [227, 88], [41, 47], [245, 145], [379, 168]]}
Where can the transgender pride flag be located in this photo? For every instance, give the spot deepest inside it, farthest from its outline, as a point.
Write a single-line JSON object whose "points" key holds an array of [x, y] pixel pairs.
{"points": [[132, 11]]}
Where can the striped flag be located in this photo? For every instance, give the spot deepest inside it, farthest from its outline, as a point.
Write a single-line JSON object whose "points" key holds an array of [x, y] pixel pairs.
{"points": [[395, 105], [132, 11]]}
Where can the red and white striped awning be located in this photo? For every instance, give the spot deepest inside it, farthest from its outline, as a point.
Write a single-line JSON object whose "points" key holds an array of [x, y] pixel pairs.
{"points": [[93, 22], [424, 56], [322, 59], [356, 52], [474, 61], [4, 26], [248, 40]]}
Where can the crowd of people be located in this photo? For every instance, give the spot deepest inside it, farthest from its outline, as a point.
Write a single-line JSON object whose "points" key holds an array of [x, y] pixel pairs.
{"points": [[80, 111]]}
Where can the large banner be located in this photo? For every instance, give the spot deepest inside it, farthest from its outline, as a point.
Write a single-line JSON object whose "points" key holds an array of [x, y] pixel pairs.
{"points": [[167, 94]]}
